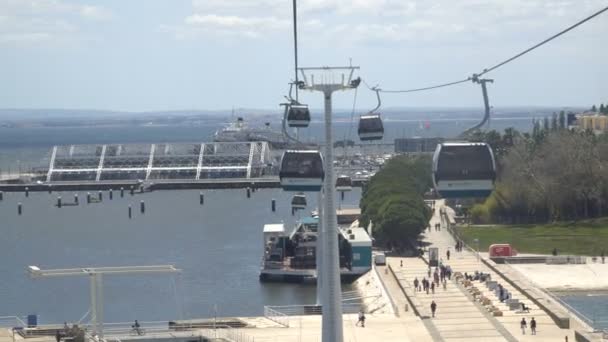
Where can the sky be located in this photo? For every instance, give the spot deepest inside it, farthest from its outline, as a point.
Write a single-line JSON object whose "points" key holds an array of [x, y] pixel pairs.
{"points": [[155, 55]]}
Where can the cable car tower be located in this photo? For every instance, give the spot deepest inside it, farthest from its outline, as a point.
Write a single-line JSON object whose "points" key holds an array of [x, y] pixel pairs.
{"points": [[329, 80]]}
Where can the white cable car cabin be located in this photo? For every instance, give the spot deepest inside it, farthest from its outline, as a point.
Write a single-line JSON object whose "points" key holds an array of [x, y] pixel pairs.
{"points": [[298, 201], [464, 169], [371, 127], [301, 171], [298, 115], [344, 183]]}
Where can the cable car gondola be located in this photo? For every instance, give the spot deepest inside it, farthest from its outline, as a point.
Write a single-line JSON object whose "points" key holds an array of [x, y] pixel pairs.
{"points": [[344, 183], [298, 115], [298, 201], [464, 169], [371, 127], [301, 171]]}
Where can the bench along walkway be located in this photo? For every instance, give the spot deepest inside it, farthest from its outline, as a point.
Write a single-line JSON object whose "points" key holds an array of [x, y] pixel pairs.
{"points": [[457, 317], [509, 316]]}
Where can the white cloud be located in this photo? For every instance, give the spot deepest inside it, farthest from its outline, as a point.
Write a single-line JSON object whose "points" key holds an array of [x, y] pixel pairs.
{"points": [[95, 13], [35, 21], [438, 21]]}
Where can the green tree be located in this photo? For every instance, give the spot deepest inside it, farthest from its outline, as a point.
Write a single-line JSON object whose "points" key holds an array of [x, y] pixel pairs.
{"points": [[602, 109], [554, 125], [546, 124], [593, 108]]}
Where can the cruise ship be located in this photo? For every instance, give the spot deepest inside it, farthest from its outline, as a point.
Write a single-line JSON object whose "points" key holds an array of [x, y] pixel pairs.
{"points": [[239, 131]]}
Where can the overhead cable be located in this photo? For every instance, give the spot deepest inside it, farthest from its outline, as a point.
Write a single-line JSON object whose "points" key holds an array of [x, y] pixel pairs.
{"points": [[475, 77]]}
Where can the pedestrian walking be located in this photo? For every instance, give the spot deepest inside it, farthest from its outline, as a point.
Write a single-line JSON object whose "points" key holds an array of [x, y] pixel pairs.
{"points": [[447, 254], [433, 288], [401, 264], [603, 257], [501, 293], [523, 325], [416, 284], [433, 308], [533, 326], [445, 284], [361, 319], [57, 336]]}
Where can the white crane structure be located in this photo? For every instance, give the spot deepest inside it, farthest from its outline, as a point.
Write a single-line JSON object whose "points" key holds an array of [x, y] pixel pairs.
{"points": [[96, 277]]}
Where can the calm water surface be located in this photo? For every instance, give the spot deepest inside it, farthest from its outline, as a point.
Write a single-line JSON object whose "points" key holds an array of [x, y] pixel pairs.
{"points": [[218, 246]]}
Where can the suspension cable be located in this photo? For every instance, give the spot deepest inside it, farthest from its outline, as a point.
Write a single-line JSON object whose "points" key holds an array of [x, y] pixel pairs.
{"points": [[485, 71], [352, 116], [295, 44], [475, 77]]}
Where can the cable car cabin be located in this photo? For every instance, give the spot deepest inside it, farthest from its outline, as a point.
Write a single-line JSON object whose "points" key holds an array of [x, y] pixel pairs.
{"points": [[298, 201], [464, 170], [301, 171], [371, 127], [298, 116], [344, 183]]}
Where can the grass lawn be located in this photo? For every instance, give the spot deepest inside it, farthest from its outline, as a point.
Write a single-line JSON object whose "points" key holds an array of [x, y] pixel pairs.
{"points": [[588, 237]]}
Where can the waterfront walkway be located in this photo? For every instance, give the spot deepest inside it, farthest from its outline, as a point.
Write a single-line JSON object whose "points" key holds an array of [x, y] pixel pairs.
{"points": [[458, 316]]}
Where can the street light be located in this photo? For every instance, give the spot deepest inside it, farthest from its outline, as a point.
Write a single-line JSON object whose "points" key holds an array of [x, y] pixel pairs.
{"points": [[476, 240]]}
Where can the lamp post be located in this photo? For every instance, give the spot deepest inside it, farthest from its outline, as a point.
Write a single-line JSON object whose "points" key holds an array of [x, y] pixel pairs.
{"points": [[476, 240]]}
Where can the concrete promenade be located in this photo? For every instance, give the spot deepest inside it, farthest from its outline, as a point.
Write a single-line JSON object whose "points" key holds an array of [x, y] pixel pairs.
{"points": [[467, 261]]}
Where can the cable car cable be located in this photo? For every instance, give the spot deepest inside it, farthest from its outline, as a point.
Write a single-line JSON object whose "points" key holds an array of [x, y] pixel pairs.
{"points": [[474, 77], [485, 71]]}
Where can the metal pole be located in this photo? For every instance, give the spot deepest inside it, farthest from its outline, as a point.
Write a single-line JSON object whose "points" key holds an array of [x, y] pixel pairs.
{"points": [[93, 302], [332, 299], [100, 304], [319, 251]]}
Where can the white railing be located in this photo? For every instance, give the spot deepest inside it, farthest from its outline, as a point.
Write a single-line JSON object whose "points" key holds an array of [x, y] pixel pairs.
{"points": [[12, 322], [276, 316], [303, 310]]}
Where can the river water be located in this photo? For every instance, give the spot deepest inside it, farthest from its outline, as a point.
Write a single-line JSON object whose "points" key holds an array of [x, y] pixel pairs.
{"points": [[593, 306], [217, 245]]}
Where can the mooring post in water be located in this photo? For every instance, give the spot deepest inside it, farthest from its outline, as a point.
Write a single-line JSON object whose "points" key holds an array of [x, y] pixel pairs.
{"points": [[130, 211], [248, 192], [273, 205], [76, 199], [342, 194], [132, 190], [50, 189], [1, 195], [142, 206], [111, 195], [19, 208], [122, 192], [201, 198], [88, 198], [100, 196], [58, 201], [27, 192]]}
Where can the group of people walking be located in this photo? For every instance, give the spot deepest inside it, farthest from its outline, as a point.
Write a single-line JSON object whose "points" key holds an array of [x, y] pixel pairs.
{"points": [[523, 324]]}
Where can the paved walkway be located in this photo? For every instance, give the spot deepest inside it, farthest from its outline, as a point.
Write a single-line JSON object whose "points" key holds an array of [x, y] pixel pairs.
{"points": [[457, 317], [467, 261]]}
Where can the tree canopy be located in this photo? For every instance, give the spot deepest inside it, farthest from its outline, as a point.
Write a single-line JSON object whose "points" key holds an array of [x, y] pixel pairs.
{"points": [[393, 200]]}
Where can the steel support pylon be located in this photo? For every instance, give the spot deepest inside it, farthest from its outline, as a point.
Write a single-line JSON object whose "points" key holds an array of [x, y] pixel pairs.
{"points": [[331, 292]]}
